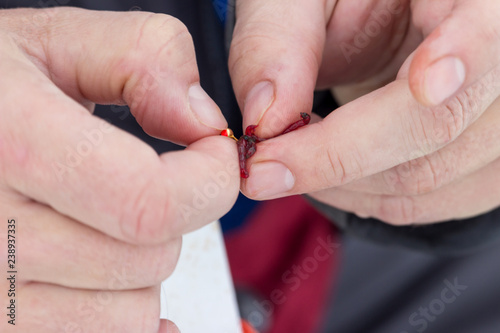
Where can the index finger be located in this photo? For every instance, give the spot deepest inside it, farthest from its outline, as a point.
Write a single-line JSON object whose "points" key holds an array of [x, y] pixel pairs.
{"points": [[53, 151], [106, 178], [369, 135]]}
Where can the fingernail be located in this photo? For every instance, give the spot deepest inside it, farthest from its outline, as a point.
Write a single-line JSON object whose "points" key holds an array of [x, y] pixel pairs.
{"points": [[258, 100], [205, 109], [269, 179], [443, 79]]}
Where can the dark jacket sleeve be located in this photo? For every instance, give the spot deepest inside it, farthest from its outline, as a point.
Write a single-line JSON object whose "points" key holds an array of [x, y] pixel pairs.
{"points": [[451, 238]]}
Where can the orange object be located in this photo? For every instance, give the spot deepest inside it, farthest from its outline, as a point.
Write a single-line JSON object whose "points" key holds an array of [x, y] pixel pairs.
{"points": [[247, 328]]}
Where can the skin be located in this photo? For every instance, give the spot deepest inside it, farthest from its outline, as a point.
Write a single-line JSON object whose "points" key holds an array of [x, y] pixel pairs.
{"points": [[247, 144], [95, 242], [112, 224], [393, 151]]}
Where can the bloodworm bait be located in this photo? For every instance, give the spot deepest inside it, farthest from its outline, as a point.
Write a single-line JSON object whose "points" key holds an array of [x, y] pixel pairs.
{"points": [[247, 144]]}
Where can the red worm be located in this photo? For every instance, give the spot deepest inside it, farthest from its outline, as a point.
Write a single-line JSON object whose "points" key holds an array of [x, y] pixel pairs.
{"points": [[242, 149], [305, 119], [247, 144]]}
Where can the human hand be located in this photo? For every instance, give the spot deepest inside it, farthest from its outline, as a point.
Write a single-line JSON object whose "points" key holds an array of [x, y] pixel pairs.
{"points": [[422, 148], [99, 215]]}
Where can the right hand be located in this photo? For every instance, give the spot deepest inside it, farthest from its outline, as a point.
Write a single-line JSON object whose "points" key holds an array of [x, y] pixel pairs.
{"points": [[419, 141], [99, 215]]}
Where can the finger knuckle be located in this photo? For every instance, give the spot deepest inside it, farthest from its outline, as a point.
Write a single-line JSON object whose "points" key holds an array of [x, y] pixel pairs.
{"points": [[163, 261], [142, 222], [80, 310], [161, 28], [419, 176], [416, 134], [140, 266], [337, 171], [254, 38], [430, 129], [161, 49], [159, 36], [250, 37], [451, 118], [342, 168], [146, 319]]}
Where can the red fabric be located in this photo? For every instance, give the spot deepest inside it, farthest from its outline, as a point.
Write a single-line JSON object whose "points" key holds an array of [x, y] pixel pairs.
{"points": [[282, 252]]}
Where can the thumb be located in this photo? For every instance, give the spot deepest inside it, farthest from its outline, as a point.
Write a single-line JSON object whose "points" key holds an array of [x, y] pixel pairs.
{"points": [[274, 59], [459, 52]]}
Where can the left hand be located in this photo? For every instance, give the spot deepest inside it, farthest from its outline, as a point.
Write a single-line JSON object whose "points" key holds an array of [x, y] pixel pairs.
{"points": [[423, 148]]}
